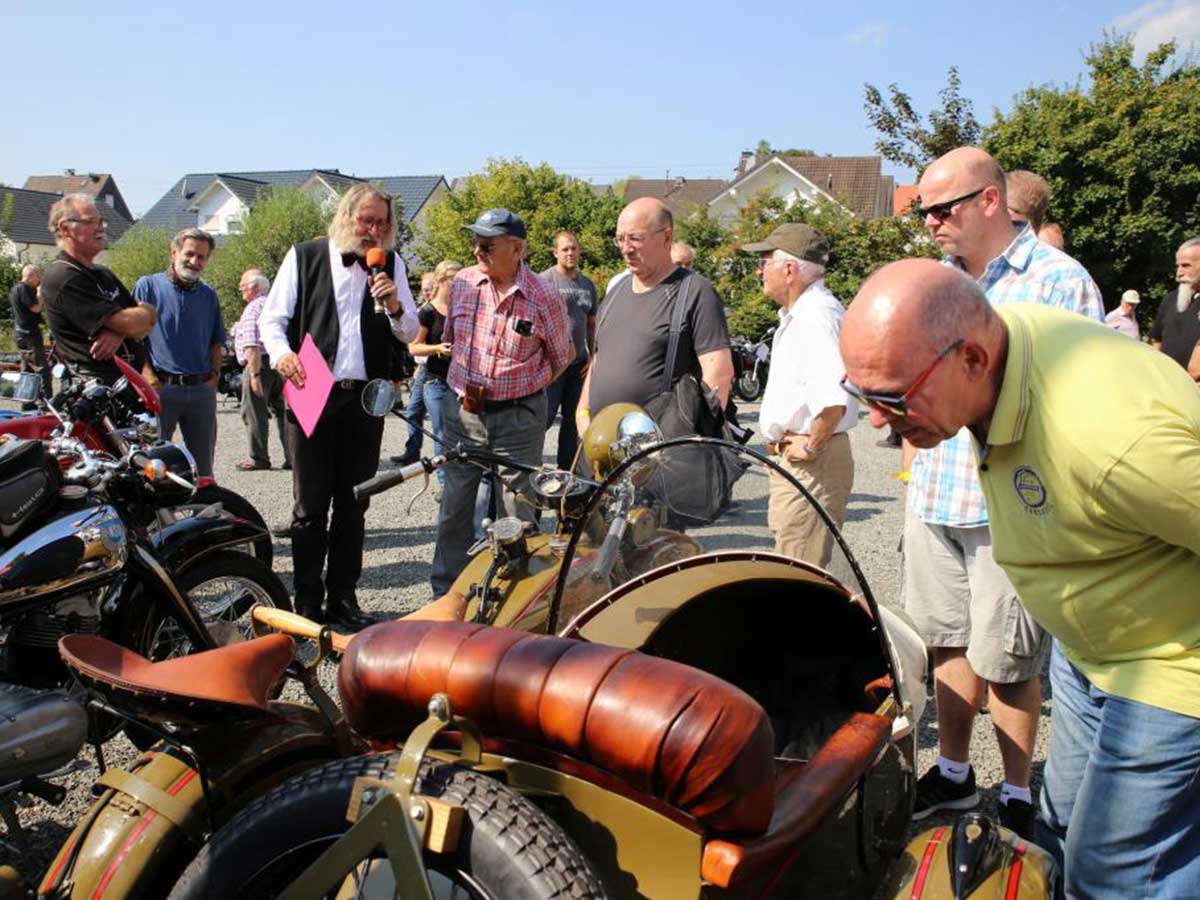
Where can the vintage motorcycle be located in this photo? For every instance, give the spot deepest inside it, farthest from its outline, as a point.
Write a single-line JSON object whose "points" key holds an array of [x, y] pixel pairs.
{"points": [[751, 365], [110, 421]]}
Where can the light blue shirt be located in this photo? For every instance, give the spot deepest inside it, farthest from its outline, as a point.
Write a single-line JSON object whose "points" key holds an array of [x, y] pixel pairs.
{"points": [[189, 324]]}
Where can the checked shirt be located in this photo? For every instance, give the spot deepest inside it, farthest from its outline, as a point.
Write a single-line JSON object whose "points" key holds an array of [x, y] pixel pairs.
{"points": [[486, 332], [944, 484]]}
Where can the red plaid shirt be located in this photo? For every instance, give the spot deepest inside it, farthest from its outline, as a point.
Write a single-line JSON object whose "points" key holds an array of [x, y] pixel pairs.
{"points": [[487, 346], [245, 332]]}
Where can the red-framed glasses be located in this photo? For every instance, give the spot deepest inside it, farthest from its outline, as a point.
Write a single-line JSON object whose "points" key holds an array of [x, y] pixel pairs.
{"points": [[897, 404]]}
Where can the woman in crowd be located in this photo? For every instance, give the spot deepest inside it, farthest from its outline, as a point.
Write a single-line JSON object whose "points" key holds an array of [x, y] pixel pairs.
{"points": [[428, 342]]}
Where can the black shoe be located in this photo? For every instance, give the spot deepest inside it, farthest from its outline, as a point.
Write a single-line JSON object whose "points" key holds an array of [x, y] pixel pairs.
{"points": [[935, 791], [282, 531], [1017, 815], [310, 611], [346, 614], [287, 467], [405, 460]]}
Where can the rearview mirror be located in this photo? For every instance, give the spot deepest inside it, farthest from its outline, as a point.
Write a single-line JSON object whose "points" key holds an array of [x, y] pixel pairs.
{"points": [[28, 387], [378, 397]]}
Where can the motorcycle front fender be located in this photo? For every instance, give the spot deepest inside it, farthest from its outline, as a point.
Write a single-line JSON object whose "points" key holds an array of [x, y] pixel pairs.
{"points": [[187, 541]]}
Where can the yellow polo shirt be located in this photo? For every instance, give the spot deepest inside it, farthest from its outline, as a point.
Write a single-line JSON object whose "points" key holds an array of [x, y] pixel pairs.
{"points": [[1092, 479]]}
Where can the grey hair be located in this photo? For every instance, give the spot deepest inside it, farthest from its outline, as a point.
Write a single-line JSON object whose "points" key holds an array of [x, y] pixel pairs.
{"points": [[809, 271], [193, 234], [29, 269], [262, 282], [62, 209], [341, 226], [1190, 242], [952, 309]]}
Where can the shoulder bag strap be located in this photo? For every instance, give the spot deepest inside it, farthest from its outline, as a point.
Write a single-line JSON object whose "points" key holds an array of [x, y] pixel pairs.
{"points": [[678, 312]]}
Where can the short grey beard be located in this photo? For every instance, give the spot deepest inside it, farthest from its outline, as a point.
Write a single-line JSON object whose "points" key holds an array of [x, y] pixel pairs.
{"points": [[191, 276], [1184, 298]]}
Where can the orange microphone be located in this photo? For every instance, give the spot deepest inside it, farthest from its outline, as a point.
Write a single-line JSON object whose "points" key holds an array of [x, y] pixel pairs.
{"points": [[376, 260]]}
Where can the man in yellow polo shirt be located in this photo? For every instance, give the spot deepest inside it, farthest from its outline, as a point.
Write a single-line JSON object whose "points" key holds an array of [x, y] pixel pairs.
{"points": [[1089, 455]]}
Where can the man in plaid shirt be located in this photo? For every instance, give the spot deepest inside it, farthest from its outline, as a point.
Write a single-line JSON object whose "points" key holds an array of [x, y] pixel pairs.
{"points": [[262, 386], [510, 338], [986, 647]]}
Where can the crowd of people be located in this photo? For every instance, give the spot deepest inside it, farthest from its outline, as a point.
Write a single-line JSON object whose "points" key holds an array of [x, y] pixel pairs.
{"points": [[1048, 510]]}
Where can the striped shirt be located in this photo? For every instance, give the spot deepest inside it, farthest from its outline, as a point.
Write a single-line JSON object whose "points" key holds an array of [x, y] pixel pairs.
{"points": [[944, 484], [514, 344]]}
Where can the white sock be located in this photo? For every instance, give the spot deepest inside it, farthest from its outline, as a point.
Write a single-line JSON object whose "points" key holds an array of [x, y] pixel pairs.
{"points": [[955, 771], [1012, 792]]}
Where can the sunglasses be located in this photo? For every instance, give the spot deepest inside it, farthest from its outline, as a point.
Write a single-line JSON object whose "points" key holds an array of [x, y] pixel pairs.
{"points": [[897, 404], [945, 209]]}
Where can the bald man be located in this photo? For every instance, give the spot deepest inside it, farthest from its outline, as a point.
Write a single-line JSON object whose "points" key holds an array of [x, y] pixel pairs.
{"points": [[985, 645], [1094, 498], [629, 363]]}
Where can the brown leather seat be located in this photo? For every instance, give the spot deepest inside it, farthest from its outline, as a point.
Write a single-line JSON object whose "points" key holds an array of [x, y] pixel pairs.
{"points": [[239, 675], [805, 793], [669, 730]]}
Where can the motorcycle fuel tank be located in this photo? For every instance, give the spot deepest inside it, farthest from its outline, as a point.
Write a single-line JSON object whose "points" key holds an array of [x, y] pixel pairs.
{"points": [[75, 548]]}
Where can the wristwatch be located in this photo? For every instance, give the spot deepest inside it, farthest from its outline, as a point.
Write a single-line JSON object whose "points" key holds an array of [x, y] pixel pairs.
{"points": [[810, 450]]}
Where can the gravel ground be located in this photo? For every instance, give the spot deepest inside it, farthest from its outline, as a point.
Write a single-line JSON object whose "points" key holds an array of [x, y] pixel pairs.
{"points": [[399, 548]]}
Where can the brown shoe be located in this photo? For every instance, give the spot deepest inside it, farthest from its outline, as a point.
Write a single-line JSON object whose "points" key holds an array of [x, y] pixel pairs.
{"points": [[249, 465]]}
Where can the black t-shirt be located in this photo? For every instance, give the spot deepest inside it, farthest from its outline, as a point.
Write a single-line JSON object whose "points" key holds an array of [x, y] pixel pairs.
{"points": [[23, 298], [632, 335], [78, 300], [435, 366], [1178, 331]]}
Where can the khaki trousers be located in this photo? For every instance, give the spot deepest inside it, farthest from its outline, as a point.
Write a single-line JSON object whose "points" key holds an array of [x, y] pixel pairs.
{"points": [[799, 531]]}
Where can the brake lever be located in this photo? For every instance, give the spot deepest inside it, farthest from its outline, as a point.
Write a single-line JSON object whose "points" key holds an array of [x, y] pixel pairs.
{"points": [[413, 499]]}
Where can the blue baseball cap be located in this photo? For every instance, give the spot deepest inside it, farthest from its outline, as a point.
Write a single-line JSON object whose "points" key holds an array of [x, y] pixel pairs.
{"points": [[497, 222]]}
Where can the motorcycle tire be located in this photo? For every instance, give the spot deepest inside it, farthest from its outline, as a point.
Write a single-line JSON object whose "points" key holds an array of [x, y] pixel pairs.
{"points": [[237, 505], [508, 849], [748, 387], [261, 585]]}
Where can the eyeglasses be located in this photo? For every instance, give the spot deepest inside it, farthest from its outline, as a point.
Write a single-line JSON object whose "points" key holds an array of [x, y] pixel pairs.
{"points": [[371, 224], [90, 222], [897, 404], [766, 260], [634, 240], [945, 209]]}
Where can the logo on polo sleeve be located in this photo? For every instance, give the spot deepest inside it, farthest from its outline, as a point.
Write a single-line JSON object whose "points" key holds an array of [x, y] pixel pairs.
{"points": [[1030, 489]]}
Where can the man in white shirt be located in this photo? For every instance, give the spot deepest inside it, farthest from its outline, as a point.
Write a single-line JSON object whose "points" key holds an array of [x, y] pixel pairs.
{"points": [[805, 413]]}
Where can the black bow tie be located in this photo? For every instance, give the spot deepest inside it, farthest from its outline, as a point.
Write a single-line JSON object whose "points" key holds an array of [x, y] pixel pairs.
{"points": [[350, 259]]}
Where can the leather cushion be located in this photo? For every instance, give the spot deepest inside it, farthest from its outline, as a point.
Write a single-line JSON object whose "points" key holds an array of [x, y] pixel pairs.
{"points": [[669, 730]]}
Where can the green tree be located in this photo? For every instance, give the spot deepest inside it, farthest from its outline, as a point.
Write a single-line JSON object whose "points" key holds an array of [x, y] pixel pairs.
{"points": [[140, 251], [1121, 152], [10, 266], [904, 139], [279, 218], [545, 200]]}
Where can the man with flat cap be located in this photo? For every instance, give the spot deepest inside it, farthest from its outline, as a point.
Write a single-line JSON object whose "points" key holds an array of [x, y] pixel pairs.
{"points": [[510, 338], [805, 413]]}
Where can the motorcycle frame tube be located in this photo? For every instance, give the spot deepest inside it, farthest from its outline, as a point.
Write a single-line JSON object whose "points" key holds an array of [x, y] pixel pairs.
{"points": [[118, 850], [617, 473], [167, 595]]}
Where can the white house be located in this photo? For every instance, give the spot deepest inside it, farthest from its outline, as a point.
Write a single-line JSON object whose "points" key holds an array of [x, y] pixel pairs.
{"points": [[855, 182]]}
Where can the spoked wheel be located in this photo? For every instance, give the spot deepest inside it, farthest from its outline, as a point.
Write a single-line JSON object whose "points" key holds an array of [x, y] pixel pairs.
{"points": [[508, 849], [222, 586], [748, 386]]}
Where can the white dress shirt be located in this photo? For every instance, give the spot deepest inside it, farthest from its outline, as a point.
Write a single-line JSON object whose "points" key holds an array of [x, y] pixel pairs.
{"points": [[349, 285], [806, 367]]}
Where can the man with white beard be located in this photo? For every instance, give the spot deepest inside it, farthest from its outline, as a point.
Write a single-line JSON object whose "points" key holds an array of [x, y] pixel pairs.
{"points": [[185, 345], [1176, 327]]}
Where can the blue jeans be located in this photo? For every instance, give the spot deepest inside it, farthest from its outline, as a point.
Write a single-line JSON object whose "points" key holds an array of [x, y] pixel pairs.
{"points": [[565, 393], [433, 389], [194, 409], [1120, 804], [415, 411]]}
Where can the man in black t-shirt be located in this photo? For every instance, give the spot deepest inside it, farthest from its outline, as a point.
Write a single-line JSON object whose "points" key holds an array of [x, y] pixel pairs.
{"points": [[635, 321], [27, 324], [1176, 327], [90, 313]]}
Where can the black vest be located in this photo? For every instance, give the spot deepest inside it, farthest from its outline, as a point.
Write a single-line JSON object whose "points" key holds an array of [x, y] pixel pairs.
{"points": [[316, 311]]}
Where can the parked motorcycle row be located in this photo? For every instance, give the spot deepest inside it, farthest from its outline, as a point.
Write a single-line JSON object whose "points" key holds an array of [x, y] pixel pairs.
{"points": [[634, 698], [751, 365]]}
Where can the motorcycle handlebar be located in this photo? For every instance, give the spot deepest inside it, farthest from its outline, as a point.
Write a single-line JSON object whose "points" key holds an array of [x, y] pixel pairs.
{"points": [[382, 482], [297, 626], [608, 549]]}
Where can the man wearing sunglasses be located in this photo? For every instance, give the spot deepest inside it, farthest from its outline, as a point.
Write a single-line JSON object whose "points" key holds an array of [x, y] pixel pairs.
{"points": [[805, 413], [1094, 503], [986, 647]]}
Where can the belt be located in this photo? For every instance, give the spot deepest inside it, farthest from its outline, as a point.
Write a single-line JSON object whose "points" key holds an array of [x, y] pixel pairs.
{"points": [[350, 384], [775, 448], [185, 380], [497, 405]]}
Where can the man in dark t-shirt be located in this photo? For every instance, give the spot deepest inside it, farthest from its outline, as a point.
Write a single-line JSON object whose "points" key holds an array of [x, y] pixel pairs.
{"points": [[1176, 328], [27, 324], [579, 294], [90, 313], [635, 320]]}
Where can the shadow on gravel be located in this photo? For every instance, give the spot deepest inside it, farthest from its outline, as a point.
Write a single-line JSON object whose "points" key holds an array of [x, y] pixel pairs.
{"points": [[42, 840], [395, 538], [862, 514]]}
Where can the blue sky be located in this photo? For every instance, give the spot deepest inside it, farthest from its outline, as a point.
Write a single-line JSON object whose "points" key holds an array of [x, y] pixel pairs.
{"points": [[600, 90]]}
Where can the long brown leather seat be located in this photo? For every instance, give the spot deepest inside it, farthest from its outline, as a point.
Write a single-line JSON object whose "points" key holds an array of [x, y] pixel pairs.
{"points": [[236, 675], [669, 730]]}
